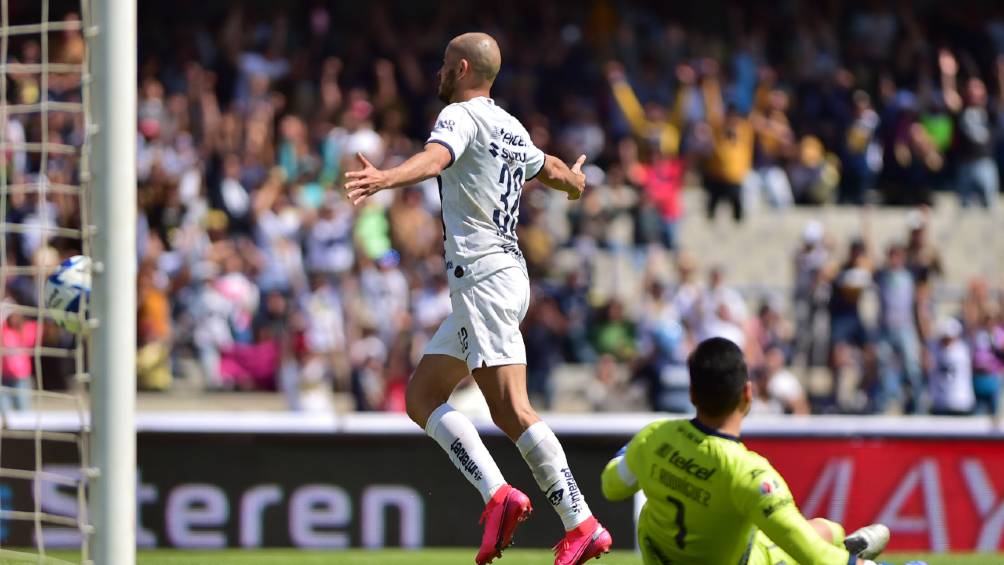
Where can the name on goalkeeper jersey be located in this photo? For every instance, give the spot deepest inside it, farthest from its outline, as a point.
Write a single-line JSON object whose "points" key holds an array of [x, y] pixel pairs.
{"points": [[682, 486]]}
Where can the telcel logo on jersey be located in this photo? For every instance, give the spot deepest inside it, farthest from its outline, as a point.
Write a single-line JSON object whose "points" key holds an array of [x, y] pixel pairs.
{"points": [[464, 460], [691, 468]]}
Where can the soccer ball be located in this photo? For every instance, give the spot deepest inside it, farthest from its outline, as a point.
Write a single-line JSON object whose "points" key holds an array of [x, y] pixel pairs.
{"points": [[67, 292]]}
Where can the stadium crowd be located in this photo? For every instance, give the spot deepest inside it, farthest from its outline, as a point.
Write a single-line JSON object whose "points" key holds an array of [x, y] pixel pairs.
{"points": [[256, 273]]}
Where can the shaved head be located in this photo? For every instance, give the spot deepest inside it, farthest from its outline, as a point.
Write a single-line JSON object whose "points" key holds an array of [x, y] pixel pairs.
{"points": [[481, 51], [483, 57]]}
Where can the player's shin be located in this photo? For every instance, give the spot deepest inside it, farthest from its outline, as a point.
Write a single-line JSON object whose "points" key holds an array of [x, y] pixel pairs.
{"points": [[546, 458], [455, 433]]}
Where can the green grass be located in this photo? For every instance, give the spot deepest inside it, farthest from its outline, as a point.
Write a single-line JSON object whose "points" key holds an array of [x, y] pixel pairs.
{"points": [[422, 557]]}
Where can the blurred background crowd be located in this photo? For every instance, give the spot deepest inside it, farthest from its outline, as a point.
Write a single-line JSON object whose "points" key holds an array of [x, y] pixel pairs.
{"points": [[255, 273]]}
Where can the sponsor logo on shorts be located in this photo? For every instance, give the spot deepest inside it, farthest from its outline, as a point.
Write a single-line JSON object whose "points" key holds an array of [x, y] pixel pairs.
{"points": [[465, 461], [464, 343]]}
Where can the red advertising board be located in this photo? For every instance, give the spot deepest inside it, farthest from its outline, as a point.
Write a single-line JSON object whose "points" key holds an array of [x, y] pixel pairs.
{"points": [[934, 494], [254, 480]]}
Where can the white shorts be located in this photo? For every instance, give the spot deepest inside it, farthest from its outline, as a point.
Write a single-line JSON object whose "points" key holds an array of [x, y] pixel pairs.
{"points": [[483, 329]]}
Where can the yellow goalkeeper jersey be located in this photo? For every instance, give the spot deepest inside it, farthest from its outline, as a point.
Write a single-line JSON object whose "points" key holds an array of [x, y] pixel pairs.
{"points": [[707, 496]]}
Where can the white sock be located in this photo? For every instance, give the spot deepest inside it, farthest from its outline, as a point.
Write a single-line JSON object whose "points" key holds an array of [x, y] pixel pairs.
{"points": [[543, 453], [455, 433]]}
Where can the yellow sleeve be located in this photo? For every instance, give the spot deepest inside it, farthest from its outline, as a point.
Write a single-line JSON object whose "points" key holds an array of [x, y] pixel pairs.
{"points": [[620, 476], [713, 104], [615, 485], [631, 108], [760, 493], [679, 114]]}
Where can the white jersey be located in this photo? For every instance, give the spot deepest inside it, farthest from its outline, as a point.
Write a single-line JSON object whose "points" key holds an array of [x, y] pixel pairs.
{"points": [[492, 156], [952, 378]]}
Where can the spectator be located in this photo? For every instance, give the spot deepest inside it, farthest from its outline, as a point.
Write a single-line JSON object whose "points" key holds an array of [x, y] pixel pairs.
{"points": [[663, 346], [812, 292], [951, 375], [777, 389], [720, 294], [386, 295], [686, 293], [814, 177], [851, 343], [368, 355], [775, 142], [19, 337], [653, 161], [862, 158], [984, 327], [731, 156], [329, 239], [610, 390], [241, 149], [977, 171], [413, 230], [544, 330], [324, 321], [899, 345], [573, 302], [153, 340], [772, 330], [922, 257], [614, 333]]}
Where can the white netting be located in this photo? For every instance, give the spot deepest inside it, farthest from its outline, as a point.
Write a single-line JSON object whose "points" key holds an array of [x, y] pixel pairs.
{"points": [[44, 149]]}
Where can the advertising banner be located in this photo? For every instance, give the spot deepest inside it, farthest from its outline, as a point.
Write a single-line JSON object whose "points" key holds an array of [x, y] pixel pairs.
{"points": [[367, 490]]}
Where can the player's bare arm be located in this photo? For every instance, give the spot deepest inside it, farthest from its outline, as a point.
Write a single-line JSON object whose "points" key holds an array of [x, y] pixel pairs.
{"points": [[559, 176], [369, 180]]}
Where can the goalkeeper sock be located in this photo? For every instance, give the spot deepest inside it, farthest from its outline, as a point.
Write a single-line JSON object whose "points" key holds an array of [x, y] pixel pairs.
{"points": [[455, 433], [543, 453]]}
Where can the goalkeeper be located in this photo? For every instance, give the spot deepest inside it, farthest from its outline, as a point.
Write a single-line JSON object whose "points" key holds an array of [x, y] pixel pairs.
{"points": [[711, 501]]}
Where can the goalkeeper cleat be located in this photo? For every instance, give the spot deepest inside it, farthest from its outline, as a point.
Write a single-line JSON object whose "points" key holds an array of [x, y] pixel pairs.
{"points": [[507, 508], [868, 542], [588, 540]]}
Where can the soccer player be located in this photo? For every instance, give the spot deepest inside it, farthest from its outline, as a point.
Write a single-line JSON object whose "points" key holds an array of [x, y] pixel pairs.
{"points": [[481, 156], [710, 500]]}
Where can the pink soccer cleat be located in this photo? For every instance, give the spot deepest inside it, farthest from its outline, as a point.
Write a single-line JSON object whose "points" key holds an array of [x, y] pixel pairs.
{"points": [[588, 540], [506, 509]]}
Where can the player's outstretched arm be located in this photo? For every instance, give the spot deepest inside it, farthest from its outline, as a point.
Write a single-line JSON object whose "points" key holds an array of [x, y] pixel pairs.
{"points": [[369, 180], [559, 176], [762, 494], [618, 480]]}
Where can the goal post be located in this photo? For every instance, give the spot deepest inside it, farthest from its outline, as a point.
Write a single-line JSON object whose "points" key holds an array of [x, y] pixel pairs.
{"points": [[112, 98]]}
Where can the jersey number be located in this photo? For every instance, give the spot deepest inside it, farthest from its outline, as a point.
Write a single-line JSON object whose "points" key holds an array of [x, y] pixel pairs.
{"points": [[512, 181], [681, 532]]}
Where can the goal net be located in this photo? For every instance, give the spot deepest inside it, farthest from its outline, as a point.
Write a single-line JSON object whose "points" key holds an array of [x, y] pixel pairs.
{"points": [[67, 455]]}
